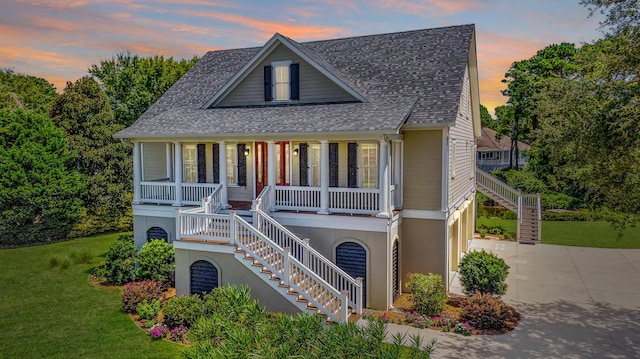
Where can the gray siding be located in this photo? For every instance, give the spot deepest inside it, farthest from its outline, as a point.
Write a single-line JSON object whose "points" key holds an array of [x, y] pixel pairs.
{"points": [[154, 161], [314, 86], [462, 146]]}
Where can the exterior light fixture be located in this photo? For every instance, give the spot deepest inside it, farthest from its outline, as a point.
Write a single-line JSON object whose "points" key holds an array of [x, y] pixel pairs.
{"points": [[247, 151], [295, 152]]}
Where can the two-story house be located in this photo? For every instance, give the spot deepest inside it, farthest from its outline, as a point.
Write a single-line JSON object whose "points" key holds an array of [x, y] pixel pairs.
{"points": [[319, 173]]}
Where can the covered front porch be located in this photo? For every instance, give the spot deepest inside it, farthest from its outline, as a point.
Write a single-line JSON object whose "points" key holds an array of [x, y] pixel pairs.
{"points": [[351, 177]]}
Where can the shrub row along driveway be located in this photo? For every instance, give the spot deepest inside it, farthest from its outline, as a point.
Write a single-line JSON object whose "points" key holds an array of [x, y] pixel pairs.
{"points": [[575, 303]]}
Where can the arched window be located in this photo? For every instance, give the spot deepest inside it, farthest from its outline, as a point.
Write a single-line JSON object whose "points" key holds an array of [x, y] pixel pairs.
{"points": [[157, 233], [204, 277], [352, 258]]}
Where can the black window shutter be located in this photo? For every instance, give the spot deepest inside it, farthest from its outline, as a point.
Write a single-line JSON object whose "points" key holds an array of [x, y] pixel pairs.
{"points": [[268, 94], [202, 164], [333, 165], [242, 165], [304, 164], [294, 77], [216, 163], [352, 164]]}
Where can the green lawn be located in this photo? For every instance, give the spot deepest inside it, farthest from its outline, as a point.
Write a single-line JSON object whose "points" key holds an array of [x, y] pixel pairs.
{"points": [[583, 234], [56, 313]]}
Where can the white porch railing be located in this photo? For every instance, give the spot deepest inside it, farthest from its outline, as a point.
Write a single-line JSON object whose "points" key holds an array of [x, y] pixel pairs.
{"points": [[341, 200], [158, 192], [196, 224], [297, 198], [165, 192], [354, 200], [192, 193]]}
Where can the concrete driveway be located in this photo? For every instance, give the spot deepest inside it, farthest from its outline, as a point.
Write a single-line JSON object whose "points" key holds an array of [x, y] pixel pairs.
{"points": [[574, 303]]}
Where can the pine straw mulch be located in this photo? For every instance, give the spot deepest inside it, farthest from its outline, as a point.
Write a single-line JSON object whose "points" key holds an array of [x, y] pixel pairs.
{"points": [[402, 306]]}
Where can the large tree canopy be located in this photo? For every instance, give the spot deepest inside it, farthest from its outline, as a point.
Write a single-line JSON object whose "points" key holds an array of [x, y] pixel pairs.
{"points": [[133, 83], [39, 197], [84, 114], [25, 92]]}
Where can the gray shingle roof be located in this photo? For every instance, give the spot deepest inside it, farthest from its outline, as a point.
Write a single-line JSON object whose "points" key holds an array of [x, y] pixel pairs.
{"points": [[413, 76]]}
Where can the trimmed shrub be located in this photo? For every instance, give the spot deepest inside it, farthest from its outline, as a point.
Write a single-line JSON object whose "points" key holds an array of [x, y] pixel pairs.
{"points": [[484, 311], [136, 292], [427, 293], [483, 272], [156, 261], [182, 310], [120, 263], [558, 201], [148, 309]]}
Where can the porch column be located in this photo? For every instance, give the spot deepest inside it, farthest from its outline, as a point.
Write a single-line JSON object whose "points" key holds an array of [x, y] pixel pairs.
{"points": [[383, 180], [137, 173], [168, 160], [222, 171], [178, 173], [271, 173], [324, 177], [397, 173]]}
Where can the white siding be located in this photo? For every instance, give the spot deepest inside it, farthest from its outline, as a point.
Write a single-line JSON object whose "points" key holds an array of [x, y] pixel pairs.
{"points": [[461, 137]]}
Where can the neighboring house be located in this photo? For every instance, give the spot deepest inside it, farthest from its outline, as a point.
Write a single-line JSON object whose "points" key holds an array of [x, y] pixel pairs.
{"points": [[493, 154], [356, 156]]}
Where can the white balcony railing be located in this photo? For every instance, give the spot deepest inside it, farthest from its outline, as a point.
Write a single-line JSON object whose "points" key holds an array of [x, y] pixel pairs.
{"points": [[354, 200], [165, 192], [158, 192], [341, 200]]}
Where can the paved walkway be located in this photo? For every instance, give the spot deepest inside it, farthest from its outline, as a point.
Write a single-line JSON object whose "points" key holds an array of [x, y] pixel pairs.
{"points": [[574, 303]]}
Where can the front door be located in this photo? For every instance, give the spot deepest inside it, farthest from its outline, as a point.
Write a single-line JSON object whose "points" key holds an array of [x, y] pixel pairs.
{"points": [[261, 166]]}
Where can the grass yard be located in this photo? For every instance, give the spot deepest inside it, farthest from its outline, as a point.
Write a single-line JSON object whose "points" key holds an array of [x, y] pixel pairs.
{"points": [[56, 313], [597, 234]]}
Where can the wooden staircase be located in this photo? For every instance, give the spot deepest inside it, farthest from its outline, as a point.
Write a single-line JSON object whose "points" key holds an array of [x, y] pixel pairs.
{"points": [[526, 206]]}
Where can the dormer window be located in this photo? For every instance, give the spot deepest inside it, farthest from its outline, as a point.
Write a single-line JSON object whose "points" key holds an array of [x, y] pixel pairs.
{"points": [[281, 81]]}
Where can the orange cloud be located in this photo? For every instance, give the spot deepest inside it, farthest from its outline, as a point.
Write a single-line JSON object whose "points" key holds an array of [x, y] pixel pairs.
{"points": [[267, 28], [496, 52], [428, 7]]}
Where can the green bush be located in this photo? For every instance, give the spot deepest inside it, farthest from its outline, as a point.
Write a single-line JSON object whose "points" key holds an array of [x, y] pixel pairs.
{"points": [[509, 215], [84, 257], [483, 272], [137, 292], [558, 201], [148, 309], [183, 310], [522, 180], [578, 216], [427, 293], [156, 261], [484, 311], [120, 263]]}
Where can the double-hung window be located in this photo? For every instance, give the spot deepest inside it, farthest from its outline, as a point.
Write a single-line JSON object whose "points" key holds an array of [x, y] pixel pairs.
{"points": [[232, 163], [368, 165], [189, 163], [281, 81], [314, 156]]}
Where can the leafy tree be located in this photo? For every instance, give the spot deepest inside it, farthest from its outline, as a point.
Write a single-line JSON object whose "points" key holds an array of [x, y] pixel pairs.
{"points": [[39, 197], [83, 112], [25, 92], [485, 118], [134, 83], [525, 78]]}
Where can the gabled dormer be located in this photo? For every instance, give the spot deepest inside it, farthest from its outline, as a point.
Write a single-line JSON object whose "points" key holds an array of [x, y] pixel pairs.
{"points": [[284, 72]]}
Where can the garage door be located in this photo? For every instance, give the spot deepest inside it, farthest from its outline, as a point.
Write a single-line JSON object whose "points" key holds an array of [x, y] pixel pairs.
{"points": [[352, 258], [204, 277]]}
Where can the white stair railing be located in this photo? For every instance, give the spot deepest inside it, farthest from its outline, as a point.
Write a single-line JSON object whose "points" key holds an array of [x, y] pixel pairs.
{"points": [[323, 296], [213, 202], [304, 253], [499, 188]]}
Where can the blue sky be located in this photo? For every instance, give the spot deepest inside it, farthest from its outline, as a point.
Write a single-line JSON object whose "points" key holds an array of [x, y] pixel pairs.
{"points": [[60, 39]]}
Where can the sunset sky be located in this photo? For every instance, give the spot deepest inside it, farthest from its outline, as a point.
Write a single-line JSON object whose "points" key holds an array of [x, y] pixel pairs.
{"points": [[60, 39]]}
